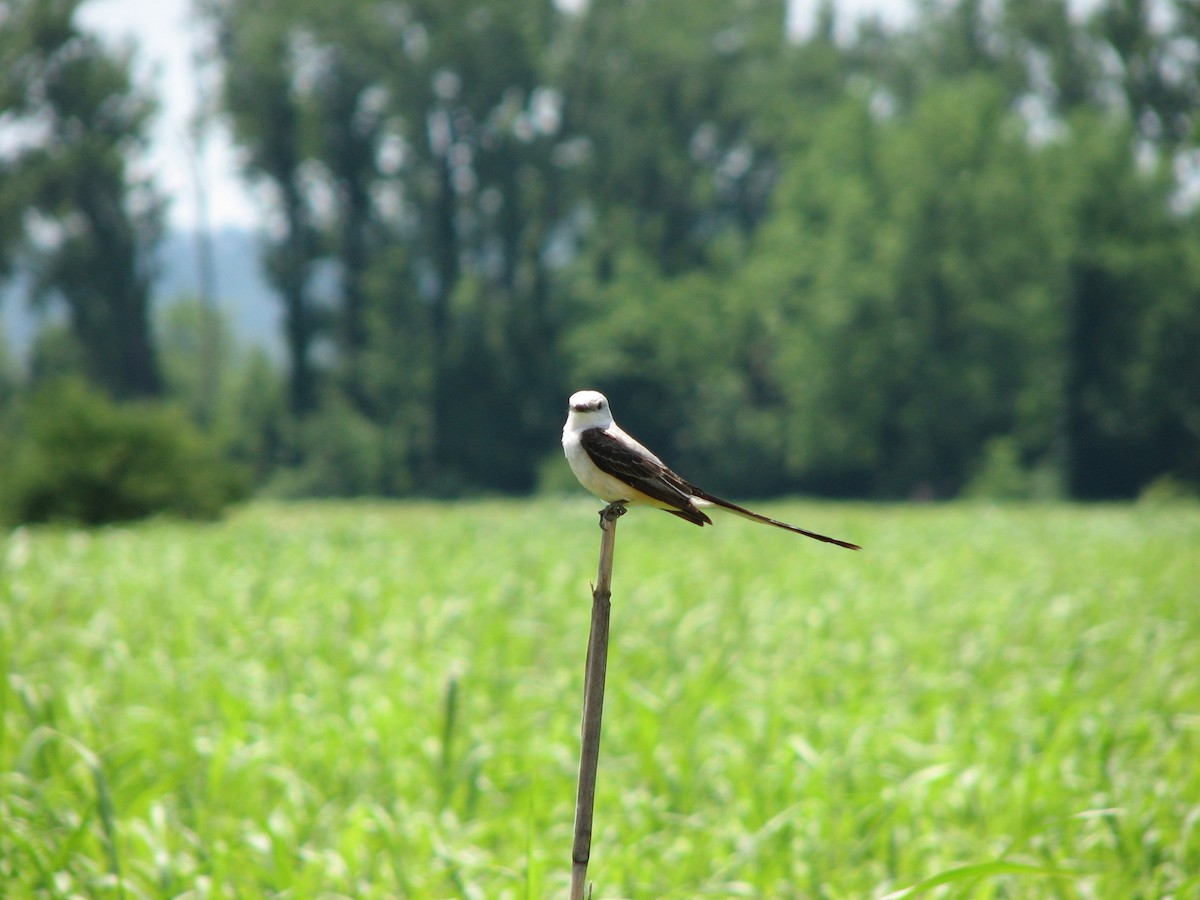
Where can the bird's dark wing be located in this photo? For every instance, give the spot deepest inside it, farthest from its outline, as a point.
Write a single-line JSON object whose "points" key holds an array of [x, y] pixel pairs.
{"points": [[618, 459], [652, 478]]}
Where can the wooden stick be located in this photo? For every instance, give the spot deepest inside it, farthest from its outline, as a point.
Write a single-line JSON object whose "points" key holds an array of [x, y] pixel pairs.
{"points": [[593, 701]]}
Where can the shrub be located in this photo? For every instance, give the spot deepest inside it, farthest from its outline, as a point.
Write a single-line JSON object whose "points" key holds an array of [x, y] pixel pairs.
{"points": [[81, 457], [342, 453], [1168, 489], [1002, 475]]}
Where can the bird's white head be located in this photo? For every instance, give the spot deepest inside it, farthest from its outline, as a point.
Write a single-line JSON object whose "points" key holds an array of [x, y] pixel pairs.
{"points": [[588, 409]]}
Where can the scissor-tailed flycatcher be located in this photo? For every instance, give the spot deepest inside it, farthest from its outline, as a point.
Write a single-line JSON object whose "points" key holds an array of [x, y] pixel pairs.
{"points": [[618, 469]]}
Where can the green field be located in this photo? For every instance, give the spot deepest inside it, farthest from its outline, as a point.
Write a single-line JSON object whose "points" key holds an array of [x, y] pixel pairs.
{"points": [[383, 701]]}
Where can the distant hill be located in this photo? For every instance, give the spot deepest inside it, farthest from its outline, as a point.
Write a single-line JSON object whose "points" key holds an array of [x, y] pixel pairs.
{"points": [[240, 288]]}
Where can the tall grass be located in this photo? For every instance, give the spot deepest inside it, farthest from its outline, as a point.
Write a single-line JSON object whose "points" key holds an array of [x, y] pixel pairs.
{"points": [[383, 701]]}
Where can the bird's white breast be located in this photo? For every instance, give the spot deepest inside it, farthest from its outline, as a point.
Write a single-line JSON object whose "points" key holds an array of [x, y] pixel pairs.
{"points": [[593, 479]]}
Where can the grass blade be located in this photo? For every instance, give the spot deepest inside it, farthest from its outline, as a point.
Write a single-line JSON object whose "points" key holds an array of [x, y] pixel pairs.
{"points": [[974, 872]]}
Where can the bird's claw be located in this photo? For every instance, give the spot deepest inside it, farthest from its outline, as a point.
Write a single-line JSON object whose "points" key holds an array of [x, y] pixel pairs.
{"points": [[612, 512]]}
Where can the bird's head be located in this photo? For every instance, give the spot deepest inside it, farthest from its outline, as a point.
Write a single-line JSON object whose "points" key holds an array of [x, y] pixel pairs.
{"points": [[589, 409]]}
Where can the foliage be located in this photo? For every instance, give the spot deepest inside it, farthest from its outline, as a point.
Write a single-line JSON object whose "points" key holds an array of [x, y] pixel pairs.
{"points": [[667, 98], [1003, 475], [860, 261], [1169, 490], [81, 458], [722, 426], [825, 246], [235, 395], [89, 223], [1130, 307], [341, 453], [380, 701], [433, 112]]}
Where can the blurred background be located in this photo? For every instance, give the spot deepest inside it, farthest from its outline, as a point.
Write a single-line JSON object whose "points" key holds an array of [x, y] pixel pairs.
{"points": [[885, 250]]}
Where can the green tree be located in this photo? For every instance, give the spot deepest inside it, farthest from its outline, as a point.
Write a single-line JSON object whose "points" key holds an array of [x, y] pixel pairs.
{"points": [[259, 68], [913, 290], [479, 126], [90, 224], [410, 149], [894, 261], [687, 362], [244, 412], [687, 112], [666, 101], [1063, 64], [1132, 318], [1157, 47]]}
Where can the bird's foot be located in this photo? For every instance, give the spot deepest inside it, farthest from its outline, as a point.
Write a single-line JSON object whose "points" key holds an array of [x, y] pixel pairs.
{"points": [[612, 512]]}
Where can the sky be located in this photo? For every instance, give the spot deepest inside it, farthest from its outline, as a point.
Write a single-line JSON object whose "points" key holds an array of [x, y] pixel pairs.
{"points": [[168, 37]]}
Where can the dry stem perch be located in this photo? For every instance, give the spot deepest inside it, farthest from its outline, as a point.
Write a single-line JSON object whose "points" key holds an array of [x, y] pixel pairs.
{"points": [[595, 670]]}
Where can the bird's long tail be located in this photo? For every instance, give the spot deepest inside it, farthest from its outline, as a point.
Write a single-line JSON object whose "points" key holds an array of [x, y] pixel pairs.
{"points": [[767, 520]]}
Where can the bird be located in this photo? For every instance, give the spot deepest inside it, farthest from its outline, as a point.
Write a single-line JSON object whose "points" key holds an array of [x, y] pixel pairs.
{"points": [[617, 469]]}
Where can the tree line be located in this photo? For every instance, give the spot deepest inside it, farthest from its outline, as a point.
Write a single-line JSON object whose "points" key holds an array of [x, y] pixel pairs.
{"points": [[958, 254]]}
